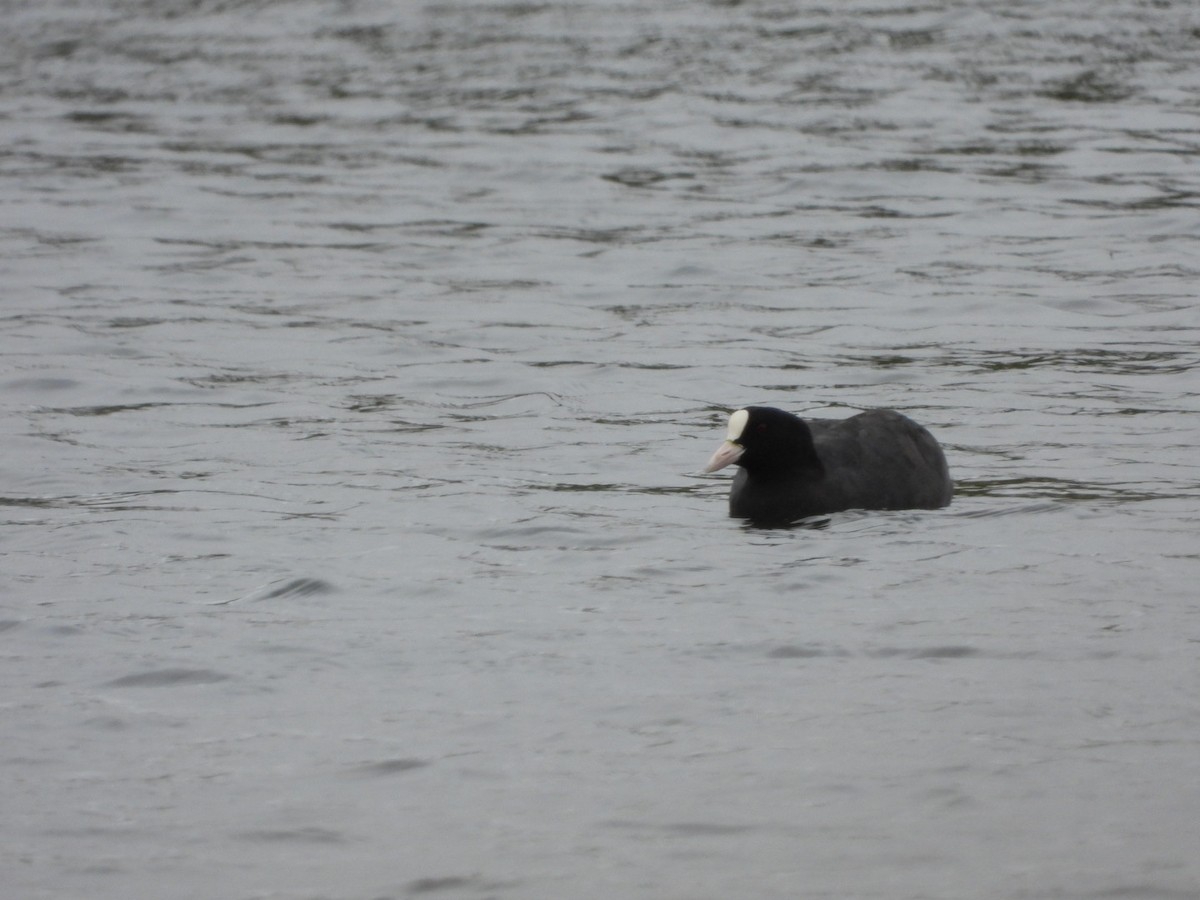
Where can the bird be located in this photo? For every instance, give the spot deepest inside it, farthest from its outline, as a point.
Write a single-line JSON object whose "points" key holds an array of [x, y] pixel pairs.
{"points": [[791, 468]]}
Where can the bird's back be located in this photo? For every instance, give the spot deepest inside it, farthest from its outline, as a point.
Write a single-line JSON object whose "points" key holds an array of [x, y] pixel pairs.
{"points": [[880, 459]]}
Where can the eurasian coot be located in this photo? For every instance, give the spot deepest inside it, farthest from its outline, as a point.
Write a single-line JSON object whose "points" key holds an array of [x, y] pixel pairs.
{"points": [[792, 467]]}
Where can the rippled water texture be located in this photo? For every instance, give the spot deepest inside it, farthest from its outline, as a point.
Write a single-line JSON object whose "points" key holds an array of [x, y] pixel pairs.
{"points": [[359, 360]]}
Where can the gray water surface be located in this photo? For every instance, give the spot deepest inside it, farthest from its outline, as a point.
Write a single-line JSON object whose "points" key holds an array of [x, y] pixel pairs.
{"points": [[359, 359]]}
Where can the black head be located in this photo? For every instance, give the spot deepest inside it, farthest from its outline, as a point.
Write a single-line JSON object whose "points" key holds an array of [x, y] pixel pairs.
{"points": [[767, 442]]}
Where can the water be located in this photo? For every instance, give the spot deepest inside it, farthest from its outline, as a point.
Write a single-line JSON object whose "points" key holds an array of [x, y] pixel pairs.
{"points": [[359, 359]]}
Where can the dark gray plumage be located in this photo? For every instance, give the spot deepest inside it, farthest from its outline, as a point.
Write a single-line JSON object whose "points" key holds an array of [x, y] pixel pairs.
{"points": [[791, 467]]}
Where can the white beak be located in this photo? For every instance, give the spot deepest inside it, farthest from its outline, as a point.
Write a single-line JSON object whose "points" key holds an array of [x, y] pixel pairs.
{"points": [[727, 453]]}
